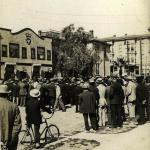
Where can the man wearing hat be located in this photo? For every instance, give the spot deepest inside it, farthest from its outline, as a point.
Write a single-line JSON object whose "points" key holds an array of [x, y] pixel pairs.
{"points": [[33, 113], [141, 100], [131, 97], [87, 106], [10, 121]]}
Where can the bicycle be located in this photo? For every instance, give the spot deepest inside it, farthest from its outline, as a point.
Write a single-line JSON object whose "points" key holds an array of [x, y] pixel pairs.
{"points": [[51, 133]]}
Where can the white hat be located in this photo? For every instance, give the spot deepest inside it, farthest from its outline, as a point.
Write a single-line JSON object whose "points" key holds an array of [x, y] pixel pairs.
{"points": [[4, 88], [34, 93], [91, 80], [85, 86]]}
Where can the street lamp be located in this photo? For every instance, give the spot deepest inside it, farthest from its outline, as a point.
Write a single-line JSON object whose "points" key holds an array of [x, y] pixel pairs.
{"points": [[0, 53]]}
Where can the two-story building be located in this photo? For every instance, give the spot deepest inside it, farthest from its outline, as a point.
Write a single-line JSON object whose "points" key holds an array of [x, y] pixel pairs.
{"points": [[24, 52]]}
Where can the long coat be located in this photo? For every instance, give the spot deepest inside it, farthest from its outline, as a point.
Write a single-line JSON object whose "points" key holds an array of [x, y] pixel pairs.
{"points": [[116, 93], [10, 122], [33, 113], [87, 102]]}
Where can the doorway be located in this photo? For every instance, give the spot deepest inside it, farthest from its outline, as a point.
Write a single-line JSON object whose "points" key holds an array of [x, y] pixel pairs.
{"points": [[36, 71], [9, 72]]}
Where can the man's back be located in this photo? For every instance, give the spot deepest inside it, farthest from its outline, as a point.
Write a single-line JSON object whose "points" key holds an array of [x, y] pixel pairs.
{"points": [[10, 121], [87, 102]]}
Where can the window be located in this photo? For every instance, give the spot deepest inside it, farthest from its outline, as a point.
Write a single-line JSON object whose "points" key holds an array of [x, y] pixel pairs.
{"points": [[24, 52], [33, 53], [4, 50], [13, 50], [41, 53], [132, 46], [132, 60], [48, 54]]}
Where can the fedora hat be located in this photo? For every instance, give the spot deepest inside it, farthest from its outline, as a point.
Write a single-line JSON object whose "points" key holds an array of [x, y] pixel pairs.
{"points": [[34, 93], [4, 88]]}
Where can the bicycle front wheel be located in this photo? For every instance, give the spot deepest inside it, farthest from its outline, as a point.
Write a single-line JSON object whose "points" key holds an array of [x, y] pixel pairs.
{"points": [[52, 133], [25, 138]]}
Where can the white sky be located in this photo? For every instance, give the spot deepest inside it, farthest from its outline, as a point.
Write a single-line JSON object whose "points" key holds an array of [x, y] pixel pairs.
{"points": [[105, 17]]}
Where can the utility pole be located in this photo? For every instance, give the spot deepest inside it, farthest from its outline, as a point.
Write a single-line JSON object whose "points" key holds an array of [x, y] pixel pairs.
{"points": [[128, 56], [0, 53], [104, 61], [141, 57]]}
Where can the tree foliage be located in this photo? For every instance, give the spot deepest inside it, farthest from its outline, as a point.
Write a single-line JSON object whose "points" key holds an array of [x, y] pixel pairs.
{"points": [[73, 57]]}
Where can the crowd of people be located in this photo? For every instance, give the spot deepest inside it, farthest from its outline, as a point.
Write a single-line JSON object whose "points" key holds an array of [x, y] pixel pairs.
{"points": [[106, 101]]}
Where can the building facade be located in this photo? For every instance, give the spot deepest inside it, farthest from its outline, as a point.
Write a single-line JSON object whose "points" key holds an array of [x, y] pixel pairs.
{"points": [[24, 52], [131, 53], [100, 51]]}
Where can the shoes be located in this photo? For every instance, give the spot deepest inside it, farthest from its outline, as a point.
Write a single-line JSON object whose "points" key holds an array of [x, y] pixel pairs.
{"points": [[92, 130], [64, 110], [37, 145]]}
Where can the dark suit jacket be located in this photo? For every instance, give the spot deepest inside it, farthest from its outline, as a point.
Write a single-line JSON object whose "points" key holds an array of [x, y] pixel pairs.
{"points": [[116, 93], [87, 102], [141, 93]]}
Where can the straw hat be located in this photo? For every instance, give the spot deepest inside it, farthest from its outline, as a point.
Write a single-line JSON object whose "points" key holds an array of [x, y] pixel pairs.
{"points": [[4, 88], [34, 93], [85, 86]]}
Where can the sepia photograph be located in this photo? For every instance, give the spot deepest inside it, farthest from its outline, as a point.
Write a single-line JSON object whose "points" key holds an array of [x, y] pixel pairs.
{"points": [[75, 74]]}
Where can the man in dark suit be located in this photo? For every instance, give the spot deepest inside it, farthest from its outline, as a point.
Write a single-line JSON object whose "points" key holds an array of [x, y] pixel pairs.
{"points": [[116, 101], [142, 96], [87, 106]]}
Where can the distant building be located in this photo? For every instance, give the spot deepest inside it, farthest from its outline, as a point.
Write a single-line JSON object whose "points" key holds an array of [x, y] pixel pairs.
{"points": [[101, 52], [99, 48], [24, 52], [134, 50]]}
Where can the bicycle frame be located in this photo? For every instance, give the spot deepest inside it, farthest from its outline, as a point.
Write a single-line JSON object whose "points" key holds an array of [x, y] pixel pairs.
{"points": [[41, 133]]}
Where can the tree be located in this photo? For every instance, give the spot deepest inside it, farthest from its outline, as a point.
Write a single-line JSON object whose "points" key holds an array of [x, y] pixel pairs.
{"points": [[120, 62], [73, 57]]}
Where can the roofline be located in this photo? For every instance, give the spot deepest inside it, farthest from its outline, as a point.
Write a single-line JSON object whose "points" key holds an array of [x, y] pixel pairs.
{"points": [[99, 41], [25, 30], [125, 37], [5, 29]]}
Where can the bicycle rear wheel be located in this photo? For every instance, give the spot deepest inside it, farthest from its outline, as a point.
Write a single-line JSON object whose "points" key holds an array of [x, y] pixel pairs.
{"points": [[52, 133], [25, 138]]}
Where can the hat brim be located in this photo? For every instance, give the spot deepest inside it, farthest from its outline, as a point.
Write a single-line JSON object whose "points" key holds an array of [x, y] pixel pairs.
{"points": [[33, 95]]}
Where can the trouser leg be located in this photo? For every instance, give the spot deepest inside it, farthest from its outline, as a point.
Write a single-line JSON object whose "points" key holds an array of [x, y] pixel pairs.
{"points": [[86, 123], [119, 116], [113, 115], [56, 104], [109, 115], [61, 104], [131, 108], [13, 145], [37, 133], [93, 120]]}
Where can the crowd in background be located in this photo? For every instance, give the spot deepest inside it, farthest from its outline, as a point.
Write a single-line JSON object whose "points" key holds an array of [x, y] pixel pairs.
{"points": [[108, 102], [117, 98]]}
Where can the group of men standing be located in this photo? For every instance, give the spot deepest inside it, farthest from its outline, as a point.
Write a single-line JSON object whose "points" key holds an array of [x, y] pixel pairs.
{"points": [[106, 101], [112, 101]]}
